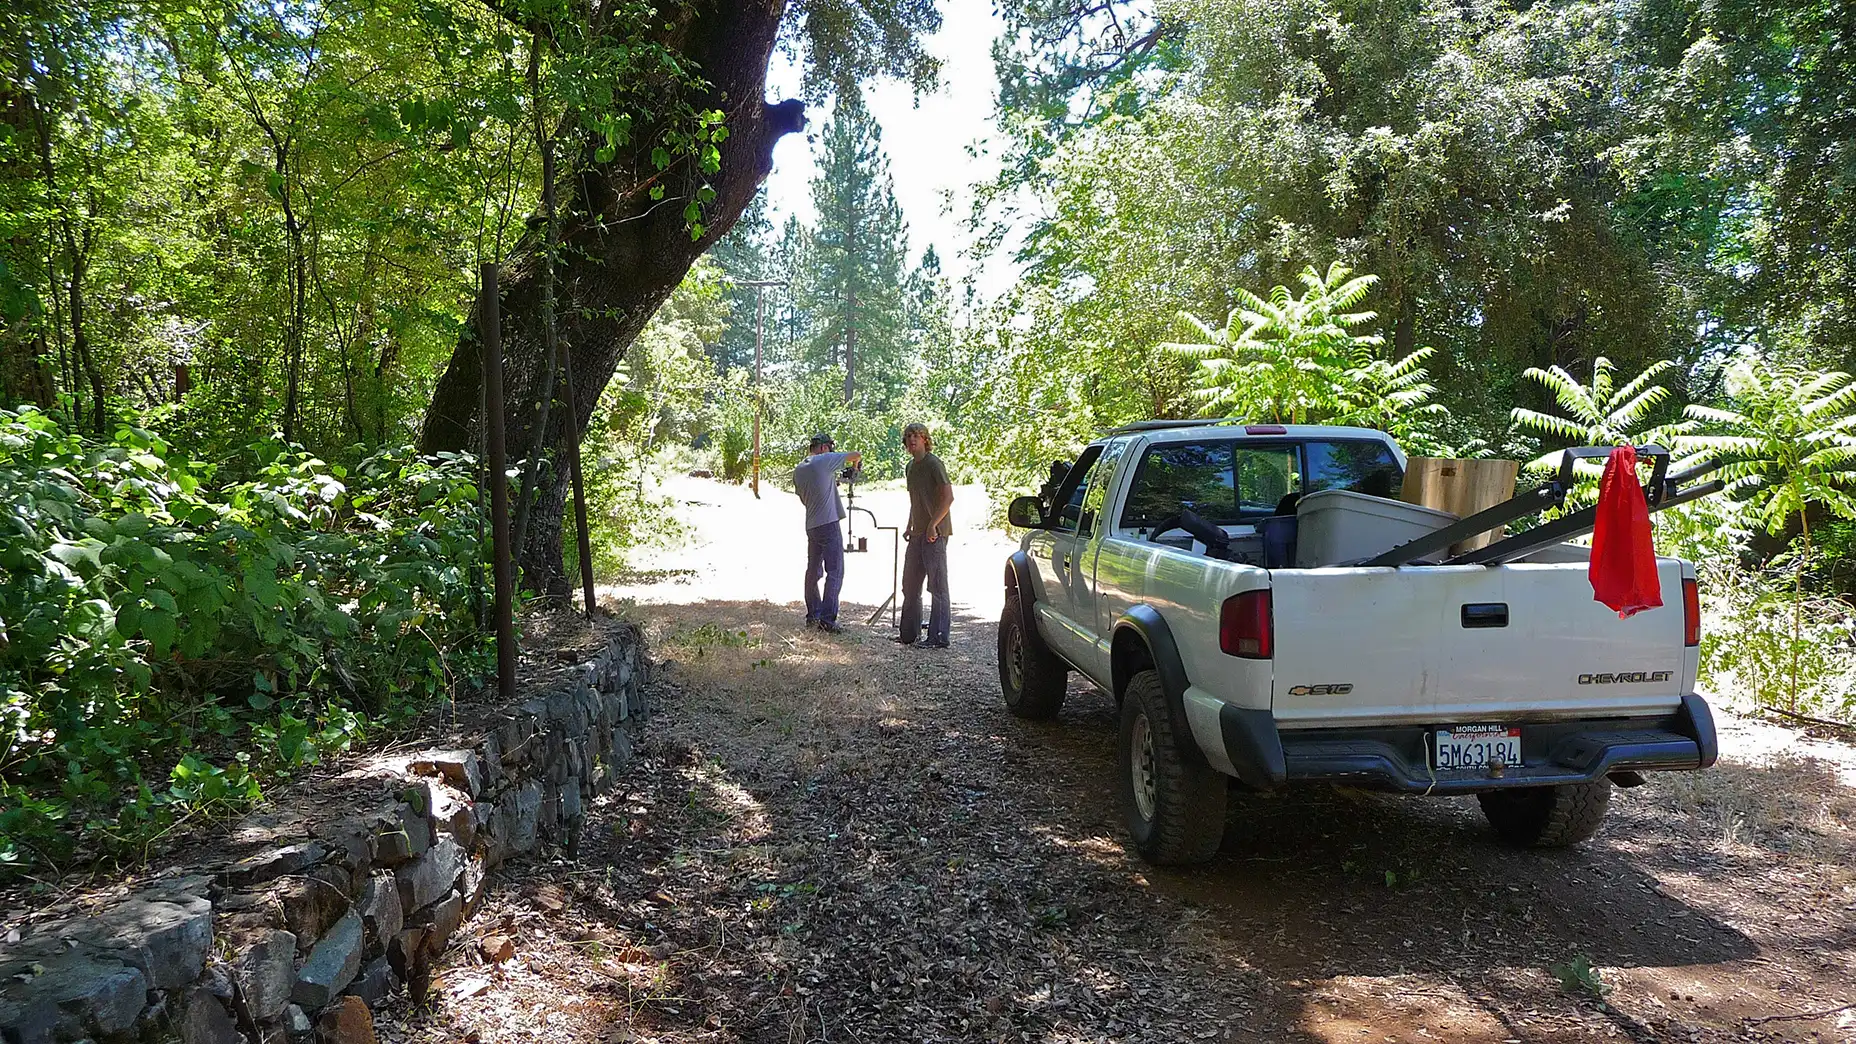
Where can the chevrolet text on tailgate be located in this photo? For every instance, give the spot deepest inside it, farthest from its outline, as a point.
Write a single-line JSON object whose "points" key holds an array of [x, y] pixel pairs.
{"points": [[1265, 610]]}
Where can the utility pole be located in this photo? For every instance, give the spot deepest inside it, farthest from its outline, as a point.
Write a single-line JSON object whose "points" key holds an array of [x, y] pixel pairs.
{"points": [[760, 286]]}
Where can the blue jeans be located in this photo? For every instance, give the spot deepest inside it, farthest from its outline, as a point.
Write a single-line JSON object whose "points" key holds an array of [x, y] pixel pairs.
{"points": [[824, 554], [925, 562]]}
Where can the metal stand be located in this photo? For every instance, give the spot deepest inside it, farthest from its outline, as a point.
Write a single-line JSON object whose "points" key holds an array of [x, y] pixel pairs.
{"points": [[852, 546]]}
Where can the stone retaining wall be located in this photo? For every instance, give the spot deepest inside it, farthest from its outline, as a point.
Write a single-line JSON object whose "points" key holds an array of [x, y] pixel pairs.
{"points": [[292, 945]]}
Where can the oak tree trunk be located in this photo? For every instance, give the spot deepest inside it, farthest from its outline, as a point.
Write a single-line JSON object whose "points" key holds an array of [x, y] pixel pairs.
{"points": [[621, 254]]}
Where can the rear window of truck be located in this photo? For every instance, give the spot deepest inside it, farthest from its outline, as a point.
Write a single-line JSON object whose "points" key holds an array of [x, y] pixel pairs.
{"points": [[1237, 482]]}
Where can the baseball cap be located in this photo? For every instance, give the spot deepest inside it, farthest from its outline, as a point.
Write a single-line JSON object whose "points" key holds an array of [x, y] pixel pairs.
{"points": [[821, 439]]}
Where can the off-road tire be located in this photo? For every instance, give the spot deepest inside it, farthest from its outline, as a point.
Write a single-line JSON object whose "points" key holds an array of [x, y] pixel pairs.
{"points": [[1184, 822], [1031, 676], [1547, 817]]}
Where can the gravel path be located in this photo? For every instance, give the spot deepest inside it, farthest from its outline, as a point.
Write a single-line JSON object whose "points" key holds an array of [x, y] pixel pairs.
{"points": [[839, 839]]}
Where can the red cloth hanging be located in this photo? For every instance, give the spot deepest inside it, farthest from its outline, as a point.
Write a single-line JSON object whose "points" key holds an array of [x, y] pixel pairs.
{"points": [[1623, 570]]}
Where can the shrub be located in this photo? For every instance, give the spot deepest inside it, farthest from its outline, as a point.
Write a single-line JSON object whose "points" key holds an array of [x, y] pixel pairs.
{"points": [[251, 625]]}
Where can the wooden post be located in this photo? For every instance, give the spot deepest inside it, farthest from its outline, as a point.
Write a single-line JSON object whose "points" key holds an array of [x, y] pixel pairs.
{"points": [[1461, 487]]}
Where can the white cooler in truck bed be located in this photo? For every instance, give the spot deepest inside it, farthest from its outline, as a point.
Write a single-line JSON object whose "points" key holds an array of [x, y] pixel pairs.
{"points": [[1339, 527]]}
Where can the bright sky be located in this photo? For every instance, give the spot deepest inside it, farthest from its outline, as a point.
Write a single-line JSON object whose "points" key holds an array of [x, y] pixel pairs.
{"points": [[926, 139]]}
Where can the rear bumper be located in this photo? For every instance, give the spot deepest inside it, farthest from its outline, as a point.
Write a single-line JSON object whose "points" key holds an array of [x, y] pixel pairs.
{"points": [[1398, 758]]}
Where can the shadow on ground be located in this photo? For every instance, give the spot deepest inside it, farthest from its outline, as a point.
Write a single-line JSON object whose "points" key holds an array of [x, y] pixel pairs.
{"points": [[836, 838]]}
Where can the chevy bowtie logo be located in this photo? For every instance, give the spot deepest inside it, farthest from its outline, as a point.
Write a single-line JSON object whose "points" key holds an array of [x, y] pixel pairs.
{"points": [[1626, 678]]}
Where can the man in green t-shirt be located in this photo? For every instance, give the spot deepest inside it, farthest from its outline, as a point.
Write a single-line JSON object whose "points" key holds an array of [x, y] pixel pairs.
{"points": [[931, 497]]}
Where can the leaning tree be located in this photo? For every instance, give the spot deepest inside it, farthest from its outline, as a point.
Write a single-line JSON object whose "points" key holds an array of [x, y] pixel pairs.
{"points": [[660, 118]]}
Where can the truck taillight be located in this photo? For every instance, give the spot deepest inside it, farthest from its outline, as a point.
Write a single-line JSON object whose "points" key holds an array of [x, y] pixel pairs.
{"points": [[1691, 613], [1265, 429], [1244, 627]]}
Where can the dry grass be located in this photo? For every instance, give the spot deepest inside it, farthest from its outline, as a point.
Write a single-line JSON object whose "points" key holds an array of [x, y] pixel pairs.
{"points": [[1784, 803]]}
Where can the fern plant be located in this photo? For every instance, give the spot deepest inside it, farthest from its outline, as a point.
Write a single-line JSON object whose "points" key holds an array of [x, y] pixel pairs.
{"points": [[1284, 359], [1395, 397], [1598, 414], [1300, 360], [1789, 443]]}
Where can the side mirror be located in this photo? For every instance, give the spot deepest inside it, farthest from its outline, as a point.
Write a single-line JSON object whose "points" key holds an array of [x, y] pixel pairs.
{"points": [[1025, 513]]}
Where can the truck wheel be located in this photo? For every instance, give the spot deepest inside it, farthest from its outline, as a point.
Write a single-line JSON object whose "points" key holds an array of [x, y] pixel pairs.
{"points": [[1031, 676], [1547, 817], [1175, 808]]}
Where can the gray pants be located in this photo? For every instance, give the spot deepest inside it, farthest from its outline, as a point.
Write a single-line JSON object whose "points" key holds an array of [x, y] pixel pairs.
{"points": [[925, 561]]}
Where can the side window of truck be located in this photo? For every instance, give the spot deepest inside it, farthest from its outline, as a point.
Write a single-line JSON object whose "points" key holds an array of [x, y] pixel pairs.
{"points": [[1104, 475], [1075, 485], [1175, 475]]}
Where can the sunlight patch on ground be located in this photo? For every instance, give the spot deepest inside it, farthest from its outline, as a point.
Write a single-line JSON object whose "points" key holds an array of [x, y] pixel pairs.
{"points": [[1356, 1009]]}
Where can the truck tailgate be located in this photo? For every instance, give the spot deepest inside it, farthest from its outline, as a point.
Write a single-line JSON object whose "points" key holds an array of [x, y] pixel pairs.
{"points": [[1458, 644]]}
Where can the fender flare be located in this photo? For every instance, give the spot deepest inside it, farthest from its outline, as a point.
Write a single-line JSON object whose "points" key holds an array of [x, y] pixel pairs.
{"points": [[1151, 630], [1251, 743], [1018, 580]]}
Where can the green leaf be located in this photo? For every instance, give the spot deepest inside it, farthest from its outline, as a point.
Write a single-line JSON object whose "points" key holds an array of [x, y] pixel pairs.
{"points": [[158, 626], [82, 556]]}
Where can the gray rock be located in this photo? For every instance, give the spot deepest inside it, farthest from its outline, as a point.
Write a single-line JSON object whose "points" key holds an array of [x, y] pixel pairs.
{"points": [[270, 865], [332, 965], [381, 910], [423, 880], [571, 808], [265, 974], [374, 982], [218, 982], [29, 1020], [454, 815], [310, 907], [460, 768], [514, 823], [206, 1022], [471, 884], [403, 836], [418, 796], [492, 759], [68, 995], [350, 840], [297, 1024], [515, 739], [405, 951], [525, 809], [550, 814], [335, 875], [164, 934], [447, 914]]}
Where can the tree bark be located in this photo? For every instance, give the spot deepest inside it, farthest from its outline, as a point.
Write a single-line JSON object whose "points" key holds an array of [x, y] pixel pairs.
{"points": [[621, 254]]}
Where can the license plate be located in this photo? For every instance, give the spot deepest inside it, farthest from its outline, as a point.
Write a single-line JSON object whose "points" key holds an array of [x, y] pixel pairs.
{"points": [[1477, 746]]}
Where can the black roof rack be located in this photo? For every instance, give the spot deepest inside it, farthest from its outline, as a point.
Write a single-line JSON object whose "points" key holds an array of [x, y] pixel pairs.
{"points": [[1162, 425]]}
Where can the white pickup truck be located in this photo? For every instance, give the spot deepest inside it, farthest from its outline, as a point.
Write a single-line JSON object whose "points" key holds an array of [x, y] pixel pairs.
{"points": [[1157, 566]]}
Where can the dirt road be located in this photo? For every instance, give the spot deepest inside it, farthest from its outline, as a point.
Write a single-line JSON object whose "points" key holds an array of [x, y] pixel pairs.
{"points": [[839, 839]]}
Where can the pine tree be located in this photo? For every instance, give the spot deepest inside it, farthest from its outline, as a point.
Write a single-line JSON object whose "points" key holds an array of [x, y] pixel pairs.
{"points": [[744, 254], [789, 322], [854, 275]]}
